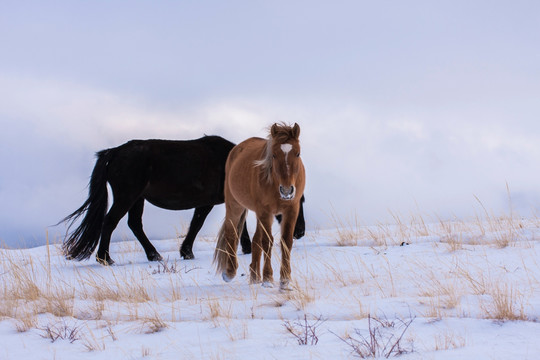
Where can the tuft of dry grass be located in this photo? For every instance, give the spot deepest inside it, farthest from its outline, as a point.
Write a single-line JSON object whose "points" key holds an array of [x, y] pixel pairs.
{"points": [[131, 288], [348, 232], [477, 281], [300, 295], [20, 282], [60, 302], [434, 309], [380, 278], [219, 311], [446, 292], [506, 303], [91, 342], [504, 229], [145, 352], [454, 242], [25, 321], [449, 341], [153, 324], [240, 332]]}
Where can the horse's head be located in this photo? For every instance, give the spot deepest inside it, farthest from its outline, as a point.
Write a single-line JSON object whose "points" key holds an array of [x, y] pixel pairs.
{"points": [[286, 166]]}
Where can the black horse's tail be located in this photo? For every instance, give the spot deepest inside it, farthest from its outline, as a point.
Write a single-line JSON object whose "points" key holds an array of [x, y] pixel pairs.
{"points": [[81, 243]]}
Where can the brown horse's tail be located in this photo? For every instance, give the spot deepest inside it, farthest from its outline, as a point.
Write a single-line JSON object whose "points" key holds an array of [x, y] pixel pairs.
{"points": [[80, 244], [225, 250]]}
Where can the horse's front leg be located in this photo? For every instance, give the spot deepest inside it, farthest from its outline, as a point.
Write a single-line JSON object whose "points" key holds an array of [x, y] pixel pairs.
{"points": [[262, 245], [287, 229]]}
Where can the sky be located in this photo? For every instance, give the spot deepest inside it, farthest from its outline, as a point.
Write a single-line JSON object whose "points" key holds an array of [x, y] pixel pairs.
{"points": [[415, 108]]}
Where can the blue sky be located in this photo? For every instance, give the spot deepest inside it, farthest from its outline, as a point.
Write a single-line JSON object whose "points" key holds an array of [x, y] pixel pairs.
{"points": [[405, 107]]}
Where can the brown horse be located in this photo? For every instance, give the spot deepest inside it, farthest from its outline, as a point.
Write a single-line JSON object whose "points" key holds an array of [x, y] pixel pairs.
{"points": [[266, 176]]}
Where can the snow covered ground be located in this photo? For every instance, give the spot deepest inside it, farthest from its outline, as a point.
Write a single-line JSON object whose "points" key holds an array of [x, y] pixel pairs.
{"points": [[449, 290]]}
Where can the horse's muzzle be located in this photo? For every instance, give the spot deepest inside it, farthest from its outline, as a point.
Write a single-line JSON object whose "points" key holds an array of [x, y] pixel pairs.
{"points": [[287, 193]]}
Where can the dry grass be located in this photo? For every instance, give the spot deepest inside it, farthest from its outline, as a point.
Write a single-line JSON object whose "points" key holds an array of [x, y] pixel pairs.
{"points": [[363, 274], [219, 311], [348, 236], [25, 321], [145, 352], [342, 273], [506, 303], [445, 290], [240, 332], [153, 324], [476, 281], [359, 312], [129, 287], [454, 242], [348, 232], [300, 296], [434, 309], [29, 288], [378, 280], [20, 281], [448, 341], [92, 342]]}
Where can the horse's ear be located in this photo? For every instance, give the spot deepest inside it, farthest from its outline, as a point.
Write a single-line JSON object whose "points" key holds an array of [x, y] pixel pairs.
{"points": [[296, 131], [273, 130]]}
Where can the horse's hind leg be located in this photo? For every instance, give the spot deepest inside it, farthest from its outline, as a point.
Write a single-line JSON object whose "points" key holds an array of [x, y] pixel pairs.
{"points": [[200, 214], [135, 224], [245, 241], [117, 212]]}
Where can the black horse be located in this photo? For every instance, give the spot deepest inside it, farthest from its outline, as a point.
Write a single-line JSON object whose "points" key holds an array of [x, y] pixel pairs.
{"points": [[174, 175]]}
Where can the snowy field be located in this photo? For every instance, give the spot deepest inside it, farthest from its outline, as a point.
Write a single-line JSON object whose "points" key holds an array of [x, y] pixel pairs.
{"points": [[447, 290]]}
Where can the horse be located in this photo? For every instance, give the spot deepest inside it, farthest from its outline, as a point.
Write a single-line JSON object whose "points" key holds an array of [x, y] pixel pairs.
{"points": [[266, 176], [170, 174]]}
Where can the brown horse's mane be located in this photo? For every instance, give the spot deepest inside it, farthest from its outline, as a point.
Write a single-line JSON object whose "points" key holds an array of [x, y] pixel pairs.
{"points": [[282, 134]]}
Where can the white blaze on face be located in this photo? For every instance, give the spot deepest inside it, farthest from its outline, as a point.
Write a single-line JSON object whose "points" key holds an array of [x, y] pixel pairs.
{"points": [[286, 148]]}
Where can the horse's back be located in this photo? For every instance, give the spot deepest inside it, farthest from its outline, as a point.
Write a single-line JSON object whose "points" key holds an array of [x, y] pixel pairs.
{"points": [[242, 157], [160, 147], [175, 174]]}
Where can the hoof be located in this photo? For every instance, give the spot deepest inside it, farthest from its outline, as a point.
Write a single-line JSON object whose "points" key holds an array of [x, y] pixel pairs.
{"points": [[186, 253], [267, 284], [254, 281], [285, 286], [105, 262], [226, 277], [155, 256], [246, 250], [187, 256]]}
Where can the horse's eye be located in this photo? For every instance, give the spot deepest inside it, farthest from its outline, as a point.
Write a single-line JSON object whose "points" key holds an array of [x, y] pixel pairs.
{"points": [[298, 155], [273, 156]]}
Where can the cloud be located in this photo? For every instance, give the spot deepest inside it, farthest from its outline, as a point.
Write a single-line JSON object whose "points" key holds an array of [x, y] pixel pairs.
{"points": [[358, 160], [48, 147]]}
